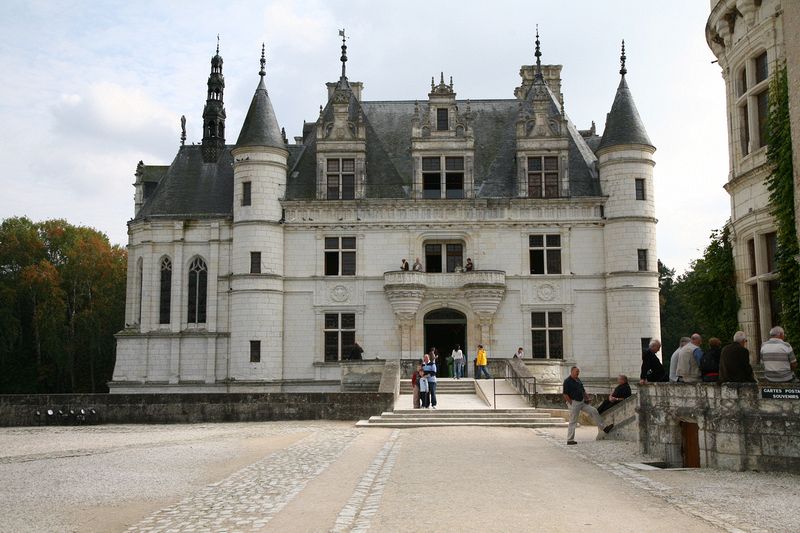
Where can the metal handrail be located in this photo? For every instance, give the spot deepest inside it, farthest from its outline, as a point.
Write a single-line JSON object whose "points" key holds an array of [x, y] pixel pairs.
{"points": [[526, 390]]}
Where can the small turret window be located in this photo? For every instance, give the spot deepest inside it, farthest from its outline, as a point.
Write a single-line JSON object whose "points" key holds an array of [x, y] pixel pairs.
{"points": [[246, 193], [640, 189], [642, 255]]}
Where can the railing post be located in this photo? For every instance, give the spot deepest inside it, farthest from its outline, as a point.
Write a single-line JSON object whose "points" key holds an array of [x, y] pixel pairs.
{"points": [[494, 393]]}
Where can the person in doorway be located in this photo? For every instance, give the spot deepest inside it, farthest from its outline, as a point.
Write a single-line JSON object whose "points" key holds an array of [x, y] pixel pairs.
{"points": [[520, 353], [734, 361], [576, 398], [778, 358], [481, 364], [709, 364], [620, 392], [415, 386], [424, 388], [429, 372], [689, 360], [652, 369], [458, 362], [404, 265], [356, 352], [673, 360], [417, 265], [468, 267]]}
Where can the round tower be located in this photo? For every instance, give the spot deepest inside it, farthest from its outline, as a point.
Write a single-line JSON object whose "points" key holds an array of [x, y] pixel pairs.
{"points": [[625, 160], [256, 298]]}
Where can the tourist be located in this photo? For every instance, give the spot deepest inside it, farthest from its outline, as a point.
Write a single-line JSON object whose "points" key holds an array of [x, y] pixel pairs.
{"points": [[424, 388], [620, 392], [689, 360], [355, 352], [576, 398], [673, 360], [458, 362], [429, 372], [520, 353], [415, 386], [469, 266], [404, 265], [481, 364], [652, 369], [709, 364], [778, 358], [734, 362], [417, 265]]}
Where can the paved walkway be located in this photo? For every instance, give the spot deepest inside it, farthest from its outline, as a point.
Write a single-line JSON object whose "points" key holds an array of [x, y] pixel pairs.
{"points": [[327, 476]]}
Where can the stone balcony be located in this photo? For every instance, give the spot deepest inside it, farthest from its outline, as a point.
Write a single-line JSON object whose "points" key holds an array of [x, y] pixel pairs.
{"points": [[400, 279]]}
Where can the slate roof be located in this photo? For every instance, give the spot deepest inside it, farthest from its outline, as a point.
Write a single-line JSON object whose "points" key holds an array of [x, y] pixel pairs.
{"points": [[192, 188], [260, 126], [623, 123]]}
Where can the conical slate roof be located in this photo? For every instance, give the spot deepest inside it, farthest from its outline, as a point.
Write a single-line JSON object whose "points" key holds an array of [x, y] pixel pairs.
{"points": [[623, 124], [260, 126]]}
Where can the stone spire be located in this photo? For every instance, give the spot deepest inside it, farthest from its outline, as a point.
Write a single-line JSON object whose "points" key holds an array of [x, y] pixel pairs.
{"points": [[260, 126], [214, 112], [623, 123], [344, 53], [538, 54]]}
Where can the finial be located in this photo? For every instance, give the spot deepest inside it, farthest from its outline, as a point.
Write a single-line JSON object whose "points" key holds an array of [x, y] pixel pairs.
{"points": [[183, 130], [451, 83], [283, 134], [344, 51], [262, 72], [622, 58], [441, 78], [538, 55], [432, 84], [218, 44]]}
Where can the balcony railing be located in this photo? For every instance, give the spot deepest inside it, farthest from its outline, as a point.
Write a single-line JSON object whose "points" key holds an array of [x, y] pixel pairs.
{"points": [[444, 280]]}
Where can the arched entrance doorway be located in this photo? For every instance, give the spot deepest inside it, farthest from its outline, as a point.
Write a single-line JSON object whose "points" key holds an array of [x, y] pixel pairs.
{"points": [[445, 329]]}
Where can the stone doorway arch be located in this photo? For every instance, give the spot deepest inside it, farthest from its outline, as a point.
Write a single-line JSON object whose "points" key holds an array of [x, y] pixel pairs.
{"points": [[445, 328]]}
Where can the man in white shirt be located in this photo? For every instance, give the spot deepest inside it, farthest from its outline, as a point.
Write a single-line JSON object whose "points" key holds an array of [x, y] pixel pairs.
{"points": [[673, 361], [458, 362]]}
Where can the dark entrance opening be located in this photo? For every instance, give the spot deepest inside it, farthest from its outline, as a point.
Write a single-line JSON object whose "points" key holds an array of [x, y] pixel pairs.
{"points": [[690, 444], [445, 329]]}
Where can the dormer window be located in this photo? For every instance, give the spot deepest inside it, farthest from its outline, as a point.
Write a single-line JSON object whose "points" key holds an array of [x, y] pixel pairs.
{"points": [[543, 177], [341, 179], [442, 119], [447, 184]]}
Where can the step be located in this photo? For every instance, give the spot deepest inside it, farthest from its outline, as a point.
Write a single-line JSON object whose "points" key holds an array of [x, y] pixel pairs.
{"points": [[464, 420], [470, 411], [446, 415], [425, 423]]}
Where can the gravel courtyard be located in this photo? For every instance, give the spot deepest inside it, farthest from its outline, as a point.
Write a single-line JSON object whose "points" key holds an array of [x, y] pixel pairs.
{"points": [[331, 476]]}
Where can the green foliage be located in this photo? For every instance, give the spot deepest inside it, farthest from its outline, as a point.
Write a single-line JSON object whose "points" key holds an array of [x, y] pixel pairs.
{"points": [[702, 300], [781, 196], [62, 298]]}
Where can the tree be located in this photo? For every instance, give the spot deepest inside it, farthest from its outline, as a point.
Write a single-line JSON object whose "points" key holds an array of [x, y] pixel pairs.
{"points": [[62, 298], [703, 299]]}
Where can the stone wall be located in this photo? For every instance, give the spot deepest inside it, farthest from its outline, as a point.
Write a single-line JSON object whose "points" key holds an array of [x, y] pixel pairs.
{"points": [[20, 410], [738, 429]]}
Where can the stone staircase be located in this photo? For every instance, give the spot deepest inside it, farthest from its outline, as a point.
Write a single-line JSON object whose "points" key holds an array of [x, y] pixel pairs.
{"points": [[414, 418], [444, 386]]}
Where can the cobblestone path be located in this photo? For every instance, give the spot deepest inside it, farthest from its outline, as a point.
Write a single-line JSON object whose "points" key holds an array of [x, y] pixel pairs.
{"points": [[248, 499]]}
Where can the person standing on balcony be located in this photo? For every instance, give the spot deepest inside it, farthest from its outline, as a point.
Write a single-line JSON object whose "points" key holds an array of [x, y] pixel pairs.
{"points": [[469, 266], [520, 353], [418, 265], [481, 363], [404, 265]]}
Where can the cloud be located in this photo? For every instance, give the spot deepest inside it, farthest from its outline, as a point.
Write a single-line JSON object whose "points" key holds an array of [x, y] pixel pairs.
{"points": [[303, 28]]}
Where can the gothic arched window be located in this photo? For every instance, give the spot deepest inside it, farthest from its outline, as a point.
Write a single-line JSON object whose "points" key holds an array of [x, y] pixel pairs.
{"points": [[198, 283], [165, 295]]}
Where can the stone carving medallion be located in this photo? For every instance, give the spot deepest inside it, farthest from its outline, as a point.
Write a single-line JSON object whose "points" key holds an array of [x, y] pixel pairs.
{"points": [[547, 292], [340, 294]]}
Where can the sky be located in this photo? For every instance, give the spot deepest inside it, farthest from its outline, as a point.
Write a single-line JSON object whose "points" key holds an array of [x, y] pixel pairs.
{"points": [[90, 88]]}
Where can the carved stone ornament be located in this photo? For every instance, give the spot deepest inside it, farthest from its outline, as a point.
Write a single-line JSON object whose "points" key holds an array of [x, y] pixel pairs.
{"points": [[547, 292], [340, 294]]}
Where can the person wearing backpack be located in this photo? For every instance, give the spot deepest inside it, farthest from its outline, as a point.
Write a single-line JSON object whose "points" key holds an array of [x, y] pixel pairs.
{"points": [[709, 363]]}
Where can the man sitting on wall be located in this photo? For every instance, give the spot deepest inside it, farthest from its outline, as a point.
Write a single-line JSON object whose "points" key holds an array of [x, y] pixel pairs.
{"points": [[778, 358], [734, 362], [621, 391]]}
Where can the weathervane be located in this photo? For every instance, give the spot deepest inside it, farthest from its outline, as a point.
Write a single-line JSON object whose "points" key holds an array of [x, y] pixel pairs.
{"points": [[622, 58], [344, 51]]}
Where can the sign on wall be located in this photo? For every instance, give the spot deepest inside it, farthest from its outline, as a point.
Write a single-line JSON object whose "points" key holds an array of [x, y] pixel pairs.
{"points": [[781, 394]]}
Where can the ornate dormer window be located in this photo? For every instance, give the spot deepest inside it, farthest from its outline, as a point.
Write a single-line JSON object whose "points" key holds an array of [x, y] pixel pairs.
{"points": [[442, 145], [542, 133], [341, 140]]}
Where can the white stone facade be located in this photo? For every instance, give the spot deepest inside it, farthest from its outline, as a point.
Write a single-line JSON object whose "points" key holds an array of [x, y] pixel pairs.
{"points": [[747, 36], [608, 298]]}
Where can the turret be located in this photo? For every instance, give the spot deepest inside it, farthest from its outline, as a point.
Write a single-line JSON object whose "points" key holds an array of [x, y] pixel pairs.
{"points": [[256, 299], [214, 112], [625, 160]]}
